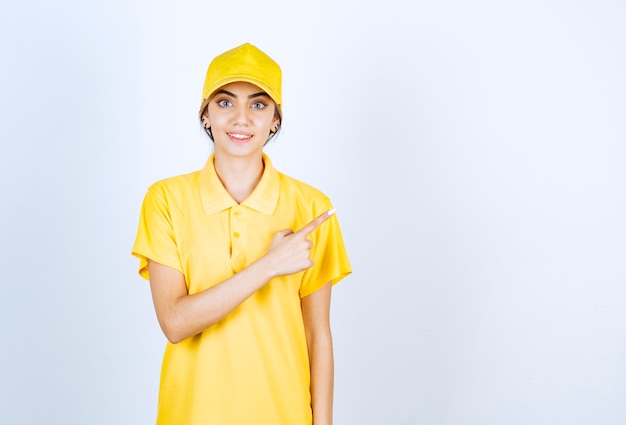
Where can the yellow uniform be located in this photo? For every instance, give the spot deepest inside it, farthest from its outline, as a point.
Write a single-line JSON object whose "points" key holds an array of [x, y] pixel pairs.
{"points": [[252, 367]]}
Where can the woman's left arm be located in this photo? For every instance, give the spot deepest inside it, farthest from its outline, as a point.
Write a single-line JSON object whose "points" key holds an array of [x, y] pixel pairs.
{"points": [[316, 314]]}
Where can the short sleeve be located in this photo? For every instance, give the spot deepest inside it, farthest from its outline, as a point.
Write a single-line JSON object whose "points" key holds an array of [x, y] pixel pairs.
{"points": [[330, 259], [155, 235]]}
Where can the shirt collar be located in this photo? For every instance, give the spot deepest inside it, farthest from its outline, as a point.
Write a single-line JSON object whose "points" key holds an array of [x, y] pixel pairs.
{"points": [[215, 198]]}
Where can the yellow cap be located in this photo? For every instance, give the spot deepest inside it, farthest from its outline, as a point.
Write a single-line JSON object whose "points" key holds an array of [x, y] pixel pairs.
{"points": [[244, 63]]}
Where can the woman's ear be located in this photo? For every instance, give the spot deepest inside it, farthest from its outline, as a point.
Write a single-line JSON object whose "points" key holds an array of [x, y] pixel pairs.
{"points": [[205, 120], [276, 124]]}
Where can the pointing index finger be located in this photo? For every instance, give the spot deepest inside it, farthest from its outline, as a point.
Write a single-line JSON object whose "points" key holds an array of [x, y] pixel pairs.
{"points": [[315, 223]]}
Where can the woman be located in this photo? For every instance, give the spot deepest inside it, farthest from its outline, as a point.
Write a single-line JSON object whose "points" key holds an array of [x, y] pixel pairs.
{"points": [[241, 259]]}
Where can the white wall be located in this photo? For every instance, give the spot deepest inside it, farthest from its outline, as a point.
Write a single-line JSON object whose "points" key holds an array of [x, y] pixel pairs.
{"points": [[475, 152]]}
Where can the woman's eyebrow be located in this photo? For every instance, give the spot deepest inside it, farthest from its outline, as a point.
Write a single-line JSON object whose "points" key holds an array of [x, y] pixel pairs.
{"points": [[222, 91], [258, 95], [226, 92]]}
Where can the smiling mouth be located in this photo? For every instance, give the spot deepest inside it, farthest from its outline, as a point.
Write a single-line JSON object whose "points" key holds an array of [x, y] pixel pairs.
{"points": [[240, 137]]}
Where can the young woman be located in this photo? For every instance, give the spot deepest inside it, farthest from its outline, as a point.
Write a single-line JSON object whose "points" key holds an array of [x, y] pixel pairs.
{"points": [[241, 259]]}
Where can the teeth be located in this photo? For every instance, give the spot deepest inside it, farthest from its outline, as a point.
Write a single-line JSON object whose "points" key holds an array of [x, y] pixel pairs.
{"points": [[240, 136]]}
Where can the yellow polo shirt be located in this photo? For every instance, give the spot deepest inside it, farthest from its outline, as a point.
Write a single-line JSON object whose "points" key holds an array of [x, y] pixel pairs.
{"points": [[252, 367]]}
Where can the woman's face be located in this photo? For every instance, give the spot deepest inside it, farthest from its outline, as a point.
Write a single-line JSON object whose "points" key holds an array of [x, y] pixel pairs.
{"points": [[241, 116]]}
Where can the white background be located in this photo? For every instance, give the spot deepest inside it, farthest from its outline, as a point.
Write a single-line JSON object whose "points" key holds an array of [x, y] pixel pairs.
{"points": [[475, 152]]}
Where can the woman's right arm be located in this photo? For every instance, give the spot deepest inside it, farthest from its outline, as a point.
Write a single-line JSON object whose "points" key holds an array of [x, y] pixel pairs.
{"points": [[182, 315]]}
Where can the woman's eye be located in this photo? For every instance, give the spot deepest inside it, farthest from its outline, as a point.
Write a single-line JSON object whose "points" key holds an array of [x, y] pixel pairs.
{"points": [[224, 103], [258, 105]]}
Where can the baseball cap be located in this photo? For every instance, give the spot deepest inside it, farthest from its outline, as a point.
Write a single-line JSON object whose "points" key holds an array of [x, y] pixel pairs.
{"points": [[244, 63]]}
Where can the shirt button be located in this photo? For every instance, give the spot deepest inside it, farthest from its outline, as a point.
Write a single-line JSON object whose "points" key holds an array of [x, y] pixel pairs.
{"points": [[236, 234], [237, 213]]}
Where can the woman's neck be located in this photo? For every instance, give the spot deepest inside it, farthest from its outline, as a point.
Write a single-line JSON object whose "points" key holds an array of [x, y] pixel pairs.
{"points": [[239, 175]]}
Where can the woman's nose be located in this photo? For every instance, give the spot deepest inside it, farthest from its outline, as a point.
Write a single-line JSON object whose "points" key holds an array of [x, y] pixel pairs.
{"points": [[242, 114]]}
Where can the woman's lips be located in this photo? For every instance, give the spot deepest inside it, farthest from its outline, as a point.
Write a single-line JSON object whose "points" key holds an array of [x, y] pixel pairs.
{"points": [[240, 137]]}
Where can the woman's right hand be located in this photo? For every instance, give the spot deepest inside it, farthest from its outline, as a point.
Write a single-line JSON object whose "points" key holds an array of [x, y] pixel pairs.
{"points": [[289, 251]]}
